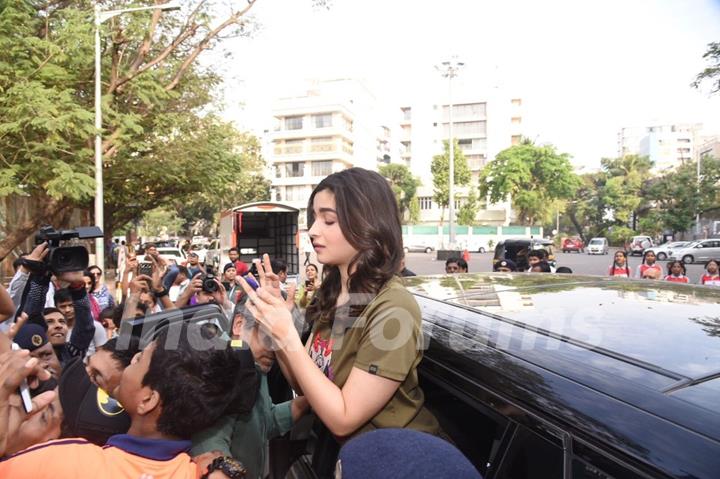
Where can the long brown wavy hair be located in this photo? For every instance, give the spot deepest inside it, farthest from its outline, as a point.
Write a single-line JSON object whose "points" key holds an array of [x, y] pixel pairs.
{"points": [[369, 219]]}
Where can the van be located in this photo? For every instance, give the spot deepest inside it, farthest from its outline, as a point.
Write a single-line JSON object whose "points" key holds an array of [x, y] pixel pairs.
{"points": [[598, 246]]}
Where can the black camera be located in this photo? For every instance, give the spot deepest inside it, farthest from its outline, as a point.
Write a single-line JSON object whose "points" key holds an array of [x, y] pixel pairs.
{"points": [[63, 259], [209, 283]]}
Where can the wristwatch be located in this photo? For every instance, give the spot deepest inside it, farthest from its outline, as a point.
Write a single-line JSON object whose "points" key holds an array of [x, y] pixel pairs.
{"points": [[229, 466], [161, 293]]}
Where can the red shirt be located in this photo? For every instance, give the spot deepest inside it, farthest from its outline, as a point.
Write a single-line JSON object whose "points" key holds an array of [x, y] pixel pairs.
{"points": [[241, 268], [644, 267], [677, 279], [710, 280], [616, 270]]}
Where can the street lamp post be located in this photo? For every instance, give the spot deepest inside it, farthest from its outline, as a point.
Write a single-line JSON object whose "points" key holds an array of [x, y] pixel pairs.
{"points": [[100, 17], [450, 69], [697, 212]]}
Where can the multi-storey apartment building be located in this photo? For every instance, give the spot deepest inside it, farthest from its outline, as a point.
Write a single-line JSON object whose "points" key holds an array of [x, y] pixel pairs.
{"points": [[332, 126], [667, 145], [483, 127]]}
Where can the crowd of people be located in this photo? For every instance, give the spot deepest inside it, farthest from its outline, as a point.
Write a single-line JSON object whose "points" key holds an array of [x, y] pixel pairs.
{"points": [[106, 402]]}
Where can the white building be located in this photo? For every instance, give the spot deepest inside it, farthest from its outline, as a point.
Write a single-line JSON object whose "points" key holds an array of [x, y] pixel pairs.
{"points": [[483, 127], [667, 145], [331, 126]]}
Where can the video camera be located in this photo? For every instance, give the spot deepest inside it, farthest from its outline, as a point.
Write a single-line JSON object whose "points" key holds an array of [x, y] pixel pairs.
{"points": [[63, 259]]}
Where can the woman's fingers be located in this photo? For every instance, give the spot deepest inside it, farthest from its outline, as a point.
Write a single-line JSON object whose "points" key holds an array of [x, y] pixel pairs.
{"points": [[290, 300], [260, 271]]}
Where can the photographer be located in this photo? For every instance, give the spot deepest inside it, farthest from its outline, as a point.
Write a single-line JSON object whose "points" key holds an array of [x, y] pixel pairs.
{"points": [[34, 302], [205, 289]]}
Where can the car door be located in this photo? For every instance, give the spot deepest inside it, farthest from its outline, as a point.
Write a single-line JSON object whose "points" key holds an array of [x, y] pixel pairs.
{"points": [[711, 250]]}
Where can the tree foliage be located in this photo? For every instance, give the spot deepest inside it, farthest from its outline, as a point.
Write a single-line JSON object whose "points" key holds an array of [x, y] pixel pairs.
{"points": [[468, 209], [403, 184], [533, 176], [440, 169], [158, 104], [625, 198], [712, 72]]}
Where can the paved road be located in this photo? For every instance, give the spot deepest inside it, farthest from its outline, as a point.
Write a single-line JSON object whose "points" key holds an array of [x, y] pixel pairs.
{"points": [[422, 263]]}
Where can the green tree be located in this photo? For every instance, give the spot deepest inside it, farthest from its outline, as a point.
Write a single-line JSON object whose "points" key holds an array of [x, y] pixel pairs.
{"points": [[677, 197], [624, 192], [468, 209], [160, 221], [403, 184], [712, 72], [533, 176], [440, 169], [158, 105]]}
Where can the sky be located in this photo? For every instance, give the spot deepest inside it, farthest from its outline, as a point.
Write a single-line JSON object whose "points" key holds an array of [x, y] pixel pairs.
{"points": [[583, 69]]}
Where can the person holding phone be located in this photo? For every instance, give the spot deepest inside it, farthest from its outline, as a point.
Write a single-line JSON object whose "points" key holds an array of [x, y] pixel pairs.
{"points": [[358, 369], [312, 283]]}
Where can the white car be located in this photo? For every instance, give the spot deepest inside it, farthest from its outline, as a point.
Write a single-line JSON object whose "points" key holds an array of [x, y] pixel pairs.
{"points": [[598, 246], [664, 251], [171, 255]]}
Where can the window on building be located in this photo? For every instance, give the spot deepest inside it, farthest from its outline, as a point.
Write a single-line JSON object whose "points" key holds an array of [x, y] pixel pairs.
{"points": [[683, 140], [407, 114], [516, 120], [322, 139], [323, 120], [425, 202], [466, 128], [278, 171], [295, 193], [321, 168], [293, 123], [479, 144], [516, 140], [516, 102], [465, 144], [294, 170], [467, 110]]}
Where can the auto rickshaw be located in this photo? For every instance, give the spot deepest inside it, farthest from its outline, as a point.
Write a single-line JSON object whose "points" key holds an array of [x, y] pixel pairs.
{"points": [[517, 250]]}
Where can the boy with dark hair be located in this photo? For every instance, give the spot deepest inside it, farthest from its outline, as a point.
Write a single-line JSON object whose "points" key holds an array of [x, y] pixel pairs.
{"points": [[456, 265], [240, 267], [170, 390], [280, 267], [541, 267]]}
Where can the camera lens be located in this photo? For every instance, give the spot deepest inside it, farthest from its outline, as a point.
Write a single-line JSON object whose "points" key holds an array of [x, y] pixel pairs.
{"points": [[209, 284]]}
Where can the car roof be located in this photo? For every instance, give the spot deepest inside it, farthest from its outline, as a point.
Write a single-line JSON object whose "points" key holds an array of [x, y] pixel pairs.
{"points": [[659, 336], [628, 312]]}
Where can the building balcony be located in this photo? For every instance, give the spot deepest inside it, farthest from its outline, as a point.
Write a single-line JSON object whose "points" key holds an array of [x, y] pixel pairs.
{"points": [[339, 131]]}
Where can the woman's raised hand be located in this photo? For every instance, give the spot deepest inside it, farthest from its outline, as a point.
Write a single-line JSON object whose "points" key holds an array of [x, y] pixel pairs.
{"points": [[269, 308]]}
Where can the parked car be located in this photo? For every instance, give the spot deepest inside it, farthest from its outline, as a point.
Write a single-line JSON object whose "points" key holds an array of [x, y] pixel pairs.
{"points": [[418, 248], [555, 376], [697, 252], [572, 244], [172, 255], [638, 245], [598, 246], [517, 250], [664, 251]]}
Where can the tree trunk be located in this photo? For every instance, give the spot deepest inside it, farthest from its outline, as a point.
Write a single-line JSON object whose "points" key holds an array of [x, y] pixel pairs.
{"points": [[47, 214], [577, 226]]}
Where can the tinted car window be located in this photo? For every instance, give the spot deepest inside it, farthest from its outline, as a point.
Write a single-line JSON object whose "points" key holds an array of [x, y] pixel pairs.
{"points": [[474, 429], [531, 456], [589, 464]]}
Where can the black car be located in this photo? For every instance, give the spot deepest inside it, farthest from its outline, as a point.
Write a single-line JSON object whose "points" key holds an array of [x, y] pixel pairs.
{"points": [[560, 376], [517, 250], [545, 376]]}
